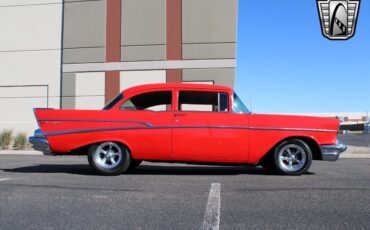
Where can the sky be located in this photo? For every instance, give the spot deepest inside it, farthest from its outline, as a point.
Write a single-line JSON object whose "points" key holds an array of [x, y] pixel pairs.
{"points": [[286, 65]]}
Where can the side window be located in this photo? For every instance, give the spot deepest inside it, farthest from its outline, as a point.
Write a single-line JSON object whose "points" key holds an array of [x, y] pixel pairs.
{"points": [[153, 101], [203, 101]]}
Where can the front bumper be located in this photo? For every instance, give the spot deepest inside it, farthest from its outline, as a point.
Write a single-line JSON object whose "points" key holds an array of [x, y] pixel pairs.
{"points": [[332, 152], [40, 144]]}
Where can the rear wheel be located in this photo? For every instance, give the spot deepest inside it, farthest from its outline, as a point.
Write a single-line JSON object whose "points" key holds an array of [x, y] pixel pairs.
{"points": [[109, 158], [292, 157]]}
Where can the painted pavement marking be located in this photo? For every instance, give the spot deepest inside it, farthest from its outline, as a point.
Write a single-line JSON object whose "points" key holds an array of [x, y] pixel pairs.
{"points": [[212, 216]]}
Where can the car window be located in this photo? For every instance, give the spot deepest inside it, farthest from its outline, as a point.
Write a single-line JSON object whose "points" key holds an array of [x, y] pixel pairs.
{"points": [[238, 105], [203, 101], [153, 101]]}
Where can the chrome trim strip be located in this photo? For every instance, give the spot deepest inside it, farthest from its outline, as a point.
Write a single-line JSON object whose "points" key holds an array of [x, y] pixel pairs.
{"points": [[150, 126], [93, 130], [294, 129], [94, 120]]}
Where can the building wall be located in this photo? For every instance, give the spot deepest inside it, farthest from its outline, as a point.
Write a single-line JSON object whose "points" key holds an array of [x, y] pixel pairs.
{"points": [[30, 44], [139, 41], [81, 53]]}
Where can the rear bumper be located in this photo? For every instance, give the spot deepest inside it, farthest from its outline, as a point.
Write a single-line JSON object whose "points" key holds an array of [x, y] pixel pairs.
{"points": [[40, 144], [332, 152]]}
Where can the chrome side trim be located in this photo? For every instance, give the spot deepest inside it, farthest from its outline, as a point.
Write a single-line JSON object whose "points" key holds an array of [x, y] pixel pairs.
{"points": [[294, 129], [332, 152], [150, 126], [94, 120], [93, 130], [40, 144]]}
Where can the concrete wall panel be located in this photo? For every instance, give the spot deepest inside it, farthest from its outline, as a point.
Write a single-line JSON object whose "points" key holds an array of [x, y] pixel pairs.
{"points": [[69, 91], [209, 51], [220, 76], [90, 102], [207, 21], [31, 27], [133, 78], [143, 22], [19, 103], [83, 55], [90, 84], [27, 2], [80, 0], [84, 24], [143, 53], [31, 68], [90, 90], [68, 103]]}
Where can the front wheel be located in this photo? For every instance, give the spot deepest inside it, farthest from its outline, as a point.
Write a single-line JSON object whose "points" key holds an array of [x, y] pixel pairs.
{"points": [[292, 157], [109, 158]]}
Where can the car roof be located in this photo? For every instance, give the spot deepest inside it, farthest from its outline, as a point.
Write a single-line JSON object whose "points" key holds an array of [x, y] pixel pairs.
{"points": [[159, 86]]}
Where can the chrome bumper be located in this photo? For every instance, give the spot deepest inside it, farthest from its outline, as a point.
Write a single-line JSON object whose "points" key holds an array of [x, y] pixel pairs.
{"points": [[40, 144], [332, 152]]}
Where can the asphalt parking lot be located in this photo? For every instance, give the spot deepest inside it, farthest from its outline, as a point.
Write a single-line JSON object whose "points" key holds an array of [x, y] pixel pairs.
{"points": [[39, 192]]}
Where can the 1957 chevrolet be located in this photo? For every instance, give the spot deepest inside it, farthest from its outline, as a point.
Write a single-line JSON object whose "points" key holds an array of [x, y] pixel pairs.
{"points": [[190, 123]]}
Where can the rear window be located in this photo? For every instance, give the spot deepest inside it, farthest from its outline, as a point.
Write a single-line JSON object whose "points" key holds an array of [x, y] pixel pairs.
{"points": [[152, 101]]}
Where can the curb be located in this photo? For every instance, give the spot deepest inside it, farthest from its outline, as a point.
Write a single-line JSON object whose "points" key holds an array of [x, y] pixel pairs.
{"points": [[20, 153], [355, 156]]}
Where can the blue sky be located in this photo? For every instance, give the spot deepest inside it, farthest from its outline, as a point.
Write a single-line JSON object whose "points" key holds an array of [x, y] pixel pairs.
{"points": [[285, 65]]}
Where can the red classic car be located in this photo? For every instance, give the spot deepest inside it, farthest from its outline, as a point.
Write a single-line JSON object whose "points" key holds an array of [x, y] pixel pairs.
{"points": [[189, 123]]}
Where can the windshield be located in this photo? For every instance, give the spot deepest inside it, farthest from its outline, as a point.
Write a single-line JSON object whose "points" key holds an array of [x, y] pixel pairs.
{"points": [[238, 105], [113, 102]]}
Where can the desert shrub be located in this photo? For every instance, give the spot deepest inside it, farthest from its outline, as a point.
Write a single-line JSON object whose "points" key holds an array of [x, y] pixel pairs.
{"points": [[6, 139], [20, 141]]}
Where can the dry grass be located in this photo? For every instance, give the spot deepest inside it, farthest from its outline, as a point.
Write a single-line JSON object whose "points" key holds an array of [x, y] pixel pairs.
{"points": [[6, 137], [21, 142]]}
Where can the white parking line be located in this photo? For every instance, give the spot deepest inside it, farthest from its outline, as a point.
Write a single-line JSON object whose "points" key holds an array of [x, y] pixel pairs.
{"points": [[5, 179], [212, 216]]}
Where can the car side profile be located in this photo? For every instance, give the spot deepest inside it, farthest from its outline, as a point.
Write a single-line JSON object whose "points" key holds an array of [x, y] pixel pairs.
{"points": [[189, 123]]}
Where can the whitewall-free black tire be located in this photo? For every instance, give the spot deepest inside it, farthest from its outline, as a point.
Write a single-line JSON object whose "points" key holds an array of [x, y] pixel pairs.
{"points": [[109, 158]]}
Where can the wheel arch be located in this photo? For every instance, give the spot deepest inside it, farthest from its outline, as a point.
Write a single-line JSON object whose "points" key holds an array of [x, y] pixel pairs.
{"points": [[311, 142], [83, 149]]}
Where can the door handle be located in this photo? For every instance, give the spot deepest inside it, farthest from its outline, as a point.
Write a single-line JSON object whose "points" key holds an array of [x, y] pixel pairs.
{"points": [[179, 114]]}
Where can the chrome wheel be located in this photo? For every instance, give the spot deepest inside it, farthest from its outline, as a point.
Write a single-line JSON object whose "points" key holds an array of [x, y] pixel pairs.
{"points": [[108, 155], [292, 157]]}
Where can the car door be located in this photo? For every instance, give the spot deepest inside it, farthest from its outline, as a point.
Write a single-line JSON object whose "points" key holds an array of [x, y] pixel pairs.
{"points": [[206, 130], [152, 109]]}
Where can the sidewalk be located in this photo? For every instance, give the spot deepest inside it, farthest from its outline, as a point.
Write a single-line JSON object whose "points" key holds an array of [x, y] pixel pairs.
{"points": [[20, 152], [356, 152], [353, 152]]}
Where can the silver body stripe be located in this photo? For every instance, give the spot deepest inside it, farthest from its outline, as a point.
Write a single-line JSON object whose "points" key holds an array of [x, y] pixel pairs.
{"points": [[182, 127], [94, 120]]}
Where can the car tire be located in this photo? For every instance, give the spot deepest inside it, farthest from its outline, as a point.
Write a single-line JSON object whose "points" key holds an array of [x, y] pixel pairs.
{"points": [[292, 157], [135, 163], [109, 158]]}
